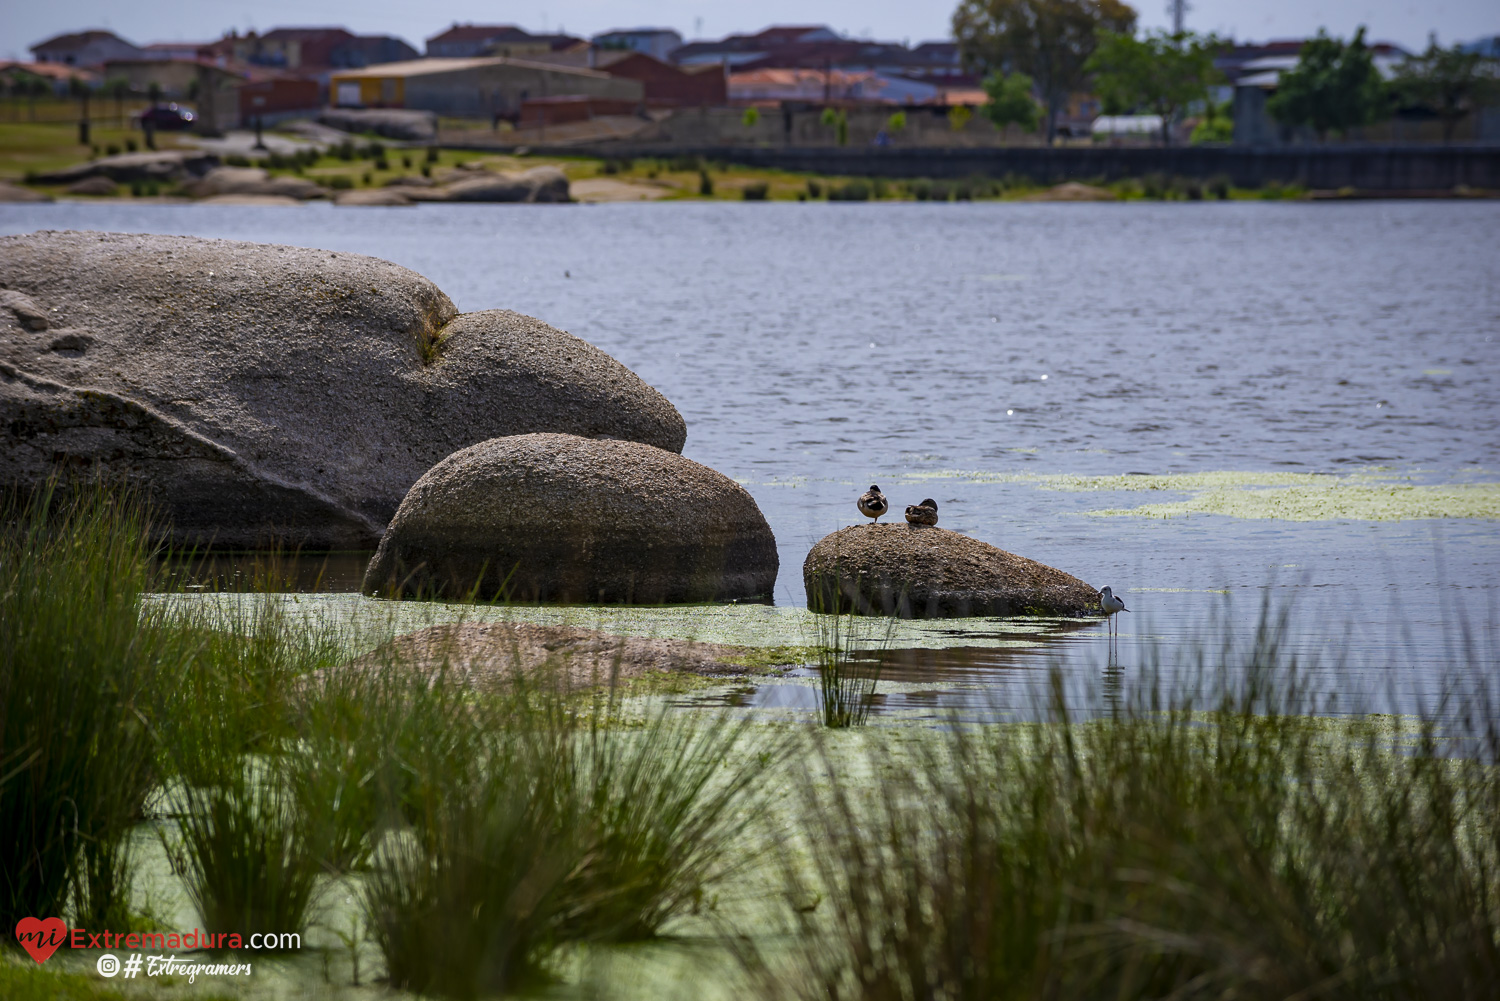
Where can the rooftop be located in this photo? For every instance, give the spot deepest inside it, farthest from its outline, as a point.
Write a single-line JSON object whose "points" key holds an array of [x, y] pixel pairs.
{"points": [[428, 67]]}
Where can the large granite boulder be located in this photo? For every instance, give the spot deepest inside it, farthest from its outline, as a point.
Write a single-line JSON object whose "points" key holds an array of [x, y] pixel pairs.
{"points": [[252, 181], [15, 193], [922, 571], [555, 517], [261, 394]]}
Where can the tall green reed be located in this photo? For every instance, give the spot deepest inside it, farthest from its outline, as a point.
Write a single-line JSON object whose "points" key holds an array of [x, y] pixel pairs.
{"points": [[1165, 846], [78, 666], [848, 667], [568, 818]]}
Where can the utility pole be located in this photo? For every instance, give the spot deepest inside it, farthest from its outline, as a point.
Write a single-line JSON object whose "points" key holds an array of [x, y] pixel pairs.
{"points": [[1179, 9]]}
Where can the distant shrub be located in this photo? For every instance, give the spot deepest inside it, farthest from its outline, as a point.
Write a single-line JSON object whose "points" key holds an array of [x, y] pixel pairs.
{"points": [[1218, 186], [880, 188], [814, 189], [382, 164], [963, 191], [406, 163], [367, 178], [130, 146], [853, 191], [941, 191], [276, 161], [341, 182], [426, 170], [112, 150], [375, 151], [344, 150], [685, 163], [756, 192], [432, 154], [236, 160], [920, 190], [705, 183], [1155, 185]]}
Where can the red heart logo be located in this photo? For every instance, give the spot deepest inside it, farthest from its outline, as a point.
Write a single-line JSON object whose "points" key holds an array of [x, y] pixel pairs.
{"points": [[41, 938]]}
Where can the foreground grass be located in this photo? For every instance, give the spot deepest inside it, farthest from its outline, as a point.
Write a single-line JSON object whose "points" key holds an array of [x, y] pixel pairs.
{"points": [[1222, 840]]}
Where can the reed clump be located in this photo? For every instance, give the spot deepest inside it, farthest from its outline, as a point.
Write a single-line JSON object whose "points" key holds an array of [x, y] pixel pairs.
{"points": [[79, 667], [1158, 849]]}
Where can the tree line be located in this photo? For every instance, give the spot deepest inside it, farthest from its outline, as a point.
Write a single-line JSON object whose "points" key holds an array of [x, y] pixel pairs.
{"points": [[1033, 54]]}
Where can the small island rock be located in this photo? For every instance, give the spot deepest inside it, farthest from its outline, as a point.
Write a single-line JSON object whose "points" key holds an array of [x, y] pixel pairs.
{"points": [[559, 518], [921, 571]]}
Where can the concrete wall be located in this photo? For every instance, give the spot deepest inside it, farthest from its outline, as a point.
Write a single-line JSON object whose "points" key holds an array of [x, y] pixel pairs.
{"points": [[1368, 167]]}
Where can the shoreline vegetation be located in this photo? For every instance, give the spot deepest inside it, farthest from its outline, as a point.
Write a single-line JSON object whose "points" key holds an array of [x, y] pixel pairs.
{"points": [[370, 163], [170, 764]]}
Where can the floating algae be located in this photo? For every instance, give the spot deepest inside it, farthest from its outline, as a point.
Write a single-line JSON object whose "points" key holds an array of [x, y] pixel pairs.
{"points": [[1352, 501]]}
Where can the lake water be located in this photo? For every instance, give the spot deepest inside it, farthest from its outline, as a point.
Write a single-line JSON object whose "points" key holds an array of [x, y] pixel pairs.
{"points": [[1007, 359]]}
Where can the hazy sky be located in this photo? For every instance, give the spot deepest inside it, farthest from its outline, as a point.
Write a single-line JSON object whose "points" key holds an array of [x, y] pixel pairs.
{"points": [[25, 22]]}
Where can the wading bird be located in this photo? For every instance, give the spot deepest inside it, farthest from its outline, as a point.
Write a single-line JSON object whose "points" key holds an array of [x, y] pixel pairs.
{"points": [[1111, 603], [924, 513], [872, 503]]}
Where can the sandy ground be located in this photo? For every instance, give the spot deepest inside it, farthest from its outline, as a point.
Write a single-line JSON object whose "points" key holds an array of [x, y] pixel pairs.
{"points": [[608, 189], [485, 654]]}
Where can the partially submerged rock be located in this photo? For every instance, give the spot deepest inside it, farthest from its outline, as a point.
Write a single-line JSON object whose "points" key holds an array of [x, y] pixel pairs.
{"points": [[539, 184], [261, 394], [97, 185], [1072, 191], [14, 194], [922, 571], [489, 655], [253, 181], [372, 196], [160, 165], [555, 517]]}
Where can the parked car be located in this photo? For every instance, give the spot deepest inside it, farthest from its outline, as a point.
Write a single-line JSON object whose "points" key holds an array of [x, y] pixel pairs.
{"points": [[167, 117]]}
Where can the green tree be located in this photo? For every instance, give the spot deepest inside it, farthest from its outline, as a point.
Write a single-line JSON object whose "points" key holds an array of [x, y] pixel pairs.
{"points": [[837, 120], [1011, 101], [1048, 40], [750, 117], [1449, 82], [118, 88], [897, 122], [1160, 72], [1334, 87], [77, 88], [1216, 125], [958, 117]]}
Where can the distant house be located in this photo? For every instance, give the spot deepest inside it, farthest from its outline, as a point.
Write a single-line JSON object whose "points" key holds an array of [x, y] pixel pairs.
{"points": [[467, 41], [85, 48], [737, 50], [57, 75], [667, 86], [175, 50], [658, 43], [308, 51], [769, 86], [1255, 72], [484, 87]]}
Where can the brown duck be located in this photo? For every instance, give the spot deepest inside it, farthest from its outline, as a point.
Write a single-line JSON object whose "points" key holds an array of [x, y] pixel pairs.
{"points": [[872, 503], [924, 513]]}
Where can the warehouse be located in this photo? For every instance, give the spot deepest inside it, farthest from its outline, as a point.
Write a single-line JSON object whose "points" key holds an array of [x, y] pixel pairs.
{"points": [[473, 88]]}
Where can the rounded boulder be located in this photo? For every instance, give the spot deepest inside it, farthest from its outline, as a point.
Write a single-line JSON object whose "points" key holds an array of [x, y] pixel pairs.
{"points": [[560, 518], [258, 394], [922, 571]]}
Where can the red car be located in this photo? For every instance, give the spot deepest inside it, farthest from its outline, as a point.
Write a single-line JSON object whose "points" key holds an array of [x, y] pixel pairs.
{"points": [[167, 118]]}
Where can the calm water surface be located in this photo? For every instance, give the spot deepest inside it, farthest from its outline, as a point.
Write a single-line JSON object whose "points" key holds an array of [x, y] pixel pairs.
{"points": [[953, 350]]}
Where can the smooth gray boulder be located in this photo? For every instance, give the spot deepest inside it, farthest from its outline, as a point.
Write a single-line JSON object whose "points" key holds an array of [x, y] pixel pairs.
{"points": [[558, 518], [16, 194], [96, 185], [159, 165], [922, 571], [261, 394], [253, 181]]}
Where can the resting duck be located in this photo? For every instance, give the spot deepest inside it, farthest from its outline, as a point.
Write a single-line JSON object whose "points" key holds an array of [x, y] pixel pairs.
{"points": [[924, 513], [872, 503]]}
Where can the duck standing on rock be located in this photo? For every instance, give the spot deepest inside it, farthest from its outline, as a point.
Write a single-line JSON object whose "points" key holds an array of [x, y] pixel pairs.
{"points": [[872, 503], [924, 513]]}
